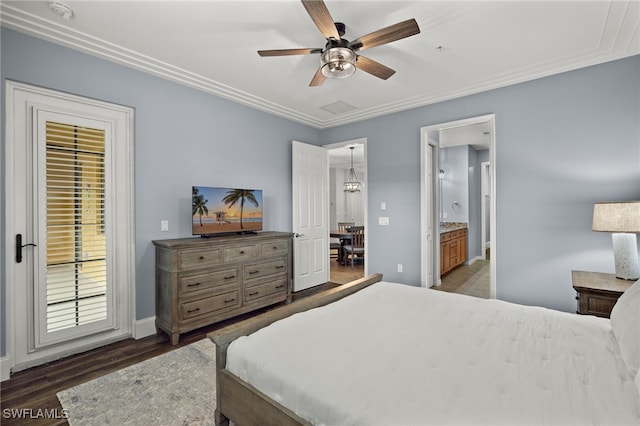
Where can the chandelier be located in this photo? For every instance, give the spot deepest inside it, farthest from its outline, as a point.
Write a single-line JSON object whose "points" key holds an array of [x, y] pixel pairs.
{"points": [[352, 184]]}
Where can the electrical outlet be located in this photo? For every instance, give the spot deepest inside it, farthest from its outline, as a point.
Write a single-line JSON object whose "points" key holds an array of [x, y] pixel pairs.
{"points": [[383, 221], [164, 225], [399, 267]]}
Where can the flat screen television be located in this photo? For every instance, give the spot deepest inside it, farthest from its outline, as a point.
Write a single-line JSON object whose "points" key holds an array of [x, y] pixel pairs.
{"points": [[225, 210]]}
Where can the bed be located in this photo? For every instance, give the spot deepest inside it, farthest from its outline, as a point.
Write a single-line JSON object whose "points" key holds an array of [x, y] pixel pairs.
{"points": [[379, 353]]}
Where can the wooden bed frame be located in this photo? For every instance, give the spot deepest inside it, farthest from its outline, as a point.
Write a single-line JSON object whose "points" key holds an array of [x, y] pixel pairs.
{"points": [[240, 402]]}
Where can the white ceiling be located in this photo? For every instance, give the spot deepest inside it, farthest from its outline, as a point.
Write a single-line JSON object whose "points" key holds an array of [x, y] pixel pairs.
{"points": [[477, 135], [464, 47]]}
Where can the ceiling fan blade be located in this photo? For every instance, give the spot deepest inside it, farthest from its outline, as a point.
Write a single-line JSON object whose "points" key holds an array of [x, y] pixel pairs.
{"points": [[374, 68], [386, 35], [318, 78], [287, 52], [320, 15]]}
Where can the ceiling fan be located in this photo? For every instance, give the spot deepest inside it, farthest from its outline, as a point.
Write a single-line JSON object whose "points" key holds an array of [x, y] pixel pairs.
{"points": [[339, 58]]}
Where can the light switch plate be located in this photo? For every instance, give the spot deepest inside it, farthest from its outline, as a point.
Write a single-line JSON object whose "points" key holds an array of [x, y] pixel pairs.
{"points": [[384, 221], [164, 225]]}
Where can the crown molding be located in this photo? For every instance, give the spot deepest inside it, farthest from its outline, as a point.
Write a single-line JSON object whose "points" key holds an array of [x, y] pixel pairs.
{"points": [[617, 41], [18, 20]]}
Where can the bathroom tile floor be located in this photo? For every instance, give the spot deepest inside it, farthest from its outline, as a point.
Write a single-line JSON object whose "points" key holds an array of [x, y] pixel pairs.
{"points": [[472, 280]]}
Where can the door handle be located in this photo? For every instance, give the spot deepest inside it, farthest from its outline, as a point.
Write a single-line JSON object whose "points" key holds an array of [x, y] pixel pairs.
{"points": [[298, 235], [19, 247]]}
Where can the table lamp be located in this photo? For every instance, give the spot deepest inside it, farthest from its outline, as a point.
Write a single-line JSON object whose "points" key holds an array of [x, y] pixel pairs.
{"points": [[623, 219]]}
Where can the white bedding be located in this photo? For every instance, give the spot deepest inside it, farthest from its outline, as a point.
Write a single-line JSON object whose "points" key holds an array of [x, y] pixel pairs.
{"points": [[398, 355]]}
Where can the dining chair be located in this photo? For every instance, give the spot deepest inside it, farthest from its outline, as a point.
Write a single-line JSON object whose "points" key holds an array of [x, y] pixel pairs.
{"points": [[355, 247], [342, 226], [336, 244]]}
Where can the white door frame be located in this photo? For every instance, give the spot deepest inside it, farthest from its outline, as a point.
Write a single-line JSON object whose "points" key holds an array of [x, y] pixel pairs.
{"points": [[429, 217], [425, 203], [485, 179], [365, 189], [17, 134]]}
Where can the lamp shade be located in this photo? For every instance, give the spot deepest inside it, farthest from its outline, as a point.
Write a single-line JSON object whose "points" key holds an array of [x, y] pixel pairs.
{"points": [[623, 217]]}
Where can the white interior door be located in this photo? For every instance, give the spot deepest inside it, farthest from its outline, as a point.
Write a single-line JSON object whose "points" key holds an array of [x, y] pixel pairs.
{"points": [[430, 211], [310, 200]]}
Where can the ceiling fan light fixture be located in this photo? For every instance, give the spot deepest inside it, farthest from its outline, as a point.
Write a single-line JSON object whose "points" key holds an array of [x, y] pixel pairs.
{"points": [[338, 62]]}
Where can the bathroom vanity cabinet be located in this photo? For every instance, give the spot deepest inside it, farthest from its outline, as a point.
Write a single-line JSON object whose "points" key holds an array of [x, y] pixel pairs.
{"points": [[453, 249]]}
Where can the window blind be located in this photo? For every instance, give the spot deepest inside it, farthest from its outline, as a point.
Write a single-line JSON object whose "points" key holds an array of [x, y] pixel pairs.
{"points": [[76, 284]]}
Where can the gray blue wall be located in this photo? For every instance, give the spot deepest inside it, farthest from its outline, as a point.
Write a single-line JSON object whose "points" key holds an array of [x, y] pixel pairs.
{"points": [[563, 142], [182, 137]]}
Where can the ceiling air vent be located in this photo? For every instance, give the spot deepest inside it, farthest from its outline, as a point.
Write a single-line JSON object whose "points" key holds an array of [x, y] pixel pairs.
{"points": [[339, 107]]}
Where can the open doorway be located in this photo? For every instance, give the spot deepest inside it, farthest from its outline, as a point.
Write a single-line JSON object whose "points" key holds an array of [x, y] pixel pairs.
{"points": [[347, 206], [457, 157]]}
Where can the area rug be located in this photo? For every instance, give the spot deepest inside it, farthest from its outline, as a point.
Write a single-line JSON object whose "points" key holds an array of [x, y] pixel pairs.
{"points": [[175, 388]]}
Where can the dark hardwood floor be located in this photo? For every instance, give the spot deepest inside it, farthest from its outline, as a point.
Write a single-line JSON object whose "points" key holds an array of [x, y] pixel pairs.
{"points": [[31, 394]]}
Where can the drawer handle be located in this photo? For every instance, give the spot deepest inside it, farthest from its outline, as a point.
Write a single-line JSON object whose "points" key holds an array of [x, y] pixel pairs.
{"points": [[201, 257], [280, 267], [193, 285], [253, 272], [229, 300], [254, 293], [275, 248], [241, 251], [229, 277], [190, 311], [280, 286]]}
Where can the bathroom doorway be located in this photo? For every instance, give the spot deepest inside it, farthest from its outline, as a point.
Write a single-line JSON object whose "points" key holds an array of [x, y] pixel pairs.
{"points": [[453, 169]]}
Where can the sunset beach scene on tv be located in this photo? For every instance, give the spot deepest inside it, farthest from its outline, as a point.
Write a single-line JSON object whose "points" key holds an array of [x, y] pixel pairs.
{"points": [[225, 210]]}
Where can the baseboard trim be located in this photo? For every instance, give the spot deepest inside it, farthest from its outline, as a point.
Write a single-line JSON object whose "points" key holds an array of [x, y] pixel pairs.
{"points": [[5, 368], [144, 328], [472, 261]]}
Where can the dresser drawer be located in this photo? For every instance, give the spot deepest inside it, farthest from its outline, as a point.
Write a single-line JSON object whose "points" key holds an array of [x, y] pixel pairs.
{"points": [[257, 270], [207, 305], [266, 289], [195, 282], [596, 304], [240, 253], [200, 281], [190, 259], [274, 248]]}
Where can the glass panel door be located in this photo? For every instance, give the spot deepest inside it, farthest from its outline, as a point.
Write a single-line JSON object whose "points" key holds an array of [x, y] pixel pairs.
{"points": [[73, 293]]}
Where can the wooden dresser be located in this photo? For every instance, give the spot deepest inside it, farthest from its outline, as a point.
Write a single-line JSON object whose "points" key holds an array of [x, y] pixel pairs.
{"points": [[453, 249], [597, 292], [200, 281]]}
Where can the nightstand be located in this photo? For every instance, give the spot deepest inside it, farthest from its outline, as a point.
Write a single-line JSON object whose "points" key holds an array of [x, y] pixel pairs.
{"points": [[597, 292]]}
